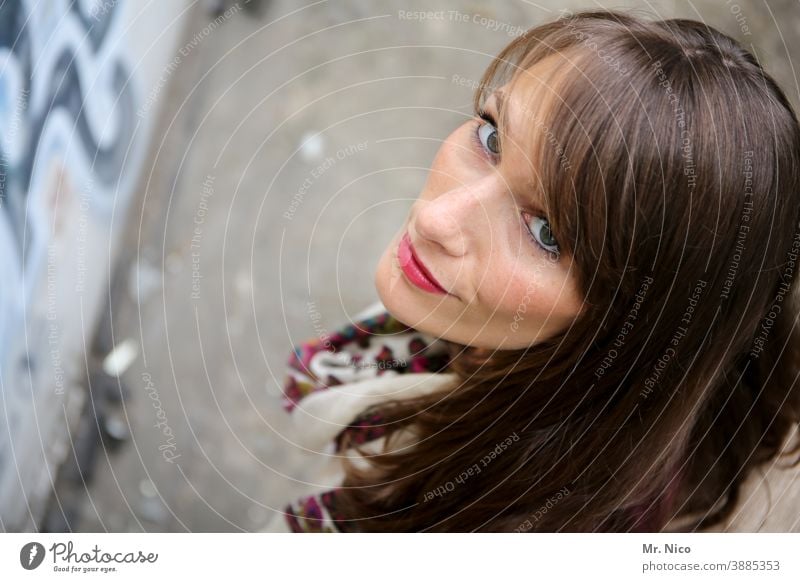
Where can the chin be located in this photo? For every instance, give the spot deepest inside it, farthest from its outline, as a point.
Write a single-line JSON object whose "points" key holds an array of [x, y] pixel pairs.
{"points": [[387, 283], [394, 292]]}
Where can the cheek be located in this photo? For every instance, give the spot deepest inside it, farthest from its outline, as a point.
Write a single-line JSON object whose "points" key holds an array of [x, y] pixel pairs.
{"points": [[515, 292], [539, 289]]}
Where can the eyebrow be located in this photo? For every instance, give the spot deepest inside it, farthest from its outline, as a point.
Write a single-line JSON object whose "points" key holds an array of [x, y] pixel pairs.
{"points": [[500, 97], [500, 105]]}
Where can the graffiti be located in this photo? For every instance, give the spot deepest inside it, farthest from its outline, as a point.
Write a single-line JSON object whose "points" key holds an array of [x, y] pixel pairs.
{"points": [[69, 151], [50, 100], [53, 87]]}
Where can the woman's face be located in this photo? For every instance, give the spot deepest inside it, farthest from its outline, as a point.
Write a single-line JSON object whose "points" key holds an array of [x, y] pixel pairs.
{"points": [[475, 261]]}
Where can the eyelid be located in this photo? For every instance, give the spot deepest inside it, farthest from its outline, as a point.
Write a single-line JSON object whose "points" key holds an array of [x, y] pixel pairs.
{"points": [[485, 115]]}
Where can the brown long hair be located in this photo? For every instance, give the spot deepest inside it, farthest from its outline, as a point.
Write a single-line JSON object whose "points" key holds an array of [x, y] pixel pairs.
{"points": [[680, 207]]}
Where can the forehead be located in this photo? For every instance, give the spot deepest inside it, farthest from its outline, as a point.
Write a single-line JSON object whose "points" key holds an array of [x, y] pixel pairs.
{"points": [[523, 108]]}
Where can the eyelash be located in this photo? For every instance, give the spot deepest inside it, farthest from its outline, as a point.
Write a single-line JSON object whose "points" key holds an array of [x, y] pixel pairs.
{"points": [[488, 118]]}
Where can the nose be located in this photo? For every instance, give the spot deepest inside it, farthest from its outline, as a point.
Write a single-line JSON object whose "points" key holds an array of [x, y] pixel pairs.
{"points": [[455, 219]]}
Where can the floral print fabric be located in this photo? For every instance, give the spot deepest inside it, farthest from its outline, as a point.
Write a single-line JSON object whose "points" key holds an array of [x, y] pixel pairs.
{"points": [[374, 346]]}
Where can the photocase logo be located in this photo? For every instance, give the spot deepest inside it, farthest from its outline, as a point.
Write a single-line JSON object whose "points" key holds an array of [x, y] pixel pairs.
{"points": [[31, 555]]}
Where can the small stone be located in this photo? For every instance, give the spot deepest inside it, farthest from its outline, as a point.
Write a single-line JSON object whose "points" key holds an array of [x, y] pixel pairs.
{"points": [[121, 357], [147, 489], [311, 145]]}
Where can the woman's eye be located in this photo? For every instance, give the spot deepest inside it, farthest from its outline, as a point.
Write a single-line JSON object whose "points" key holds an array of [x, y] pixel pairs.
{"points": [[539, 228], [488, 136]]}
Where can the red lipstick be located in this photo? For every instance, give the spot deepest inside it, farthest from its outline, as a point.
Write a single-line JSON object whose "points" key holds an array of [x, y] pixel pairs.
{"points": [[413, 268]]}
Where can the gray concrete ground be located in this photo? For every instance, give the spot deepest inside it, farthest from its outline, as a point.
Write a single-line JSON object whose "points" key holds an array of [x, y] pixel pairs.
{"points": [[221, 277]]}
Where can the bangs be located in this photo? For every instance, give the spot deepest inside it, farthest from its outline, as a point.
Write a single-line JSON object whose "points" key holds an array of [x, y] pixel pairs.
{"points": [[581, 134], [541, 125]]}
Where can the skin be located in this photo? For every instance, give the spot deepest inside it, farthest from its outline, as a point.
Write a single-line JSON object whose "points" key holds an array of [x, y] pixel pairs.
{"points": [[467, 228]]}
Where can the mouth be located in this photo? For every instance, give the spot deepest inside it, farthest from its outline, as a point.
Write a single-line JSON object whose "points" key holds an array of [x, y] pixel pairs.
{"points": [[414, 270]]}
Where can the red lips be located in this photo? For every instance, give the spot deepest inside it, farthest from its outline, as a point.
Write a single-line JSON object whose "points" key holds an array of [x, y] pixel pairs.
{"points": [[414, 270]]}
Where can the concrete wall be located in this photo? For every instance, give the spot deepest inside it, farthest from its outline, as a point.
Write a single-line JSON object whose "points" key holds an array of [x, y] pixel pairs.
{"points": [[79, 85]]}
